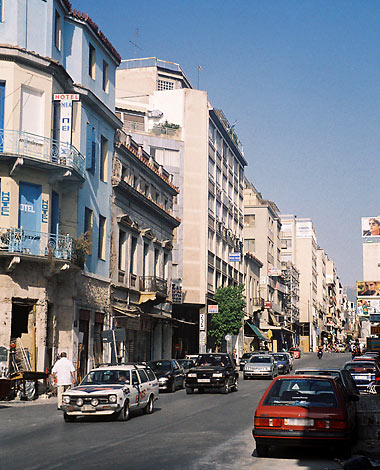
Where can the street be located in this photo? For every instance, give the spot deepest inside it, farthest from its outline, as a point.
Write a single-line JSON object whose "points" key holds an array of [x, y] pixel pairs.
{"points": [[199, 431]]}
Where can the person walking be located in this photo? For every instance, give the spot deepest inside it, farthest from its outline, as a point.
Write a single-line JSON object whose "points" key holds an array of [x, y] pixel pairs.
{"points": [[64, 372]]}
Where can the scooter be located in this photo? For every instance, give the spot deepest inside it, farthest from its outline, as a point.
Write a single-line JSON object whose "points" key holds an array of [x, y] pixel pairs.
{"points": [[319, 353]]}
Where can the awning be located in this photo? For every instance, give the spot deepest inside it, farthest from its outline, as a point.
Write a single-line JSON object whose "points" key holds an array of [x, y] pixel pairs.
{"points": [[184, 321], [148, 296], [273, 318], [128, 313], [257, 332]]}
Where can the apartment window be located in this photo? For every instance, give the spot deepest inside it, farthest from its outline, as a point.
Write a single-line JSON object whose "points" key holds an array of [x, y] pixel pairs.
{"points": [[249, 220], [121, 259], [211, 131], [88, 224], [105, 76], [165, 85], [156, 262], [249, 245], [102, 238], [166, 266], [146, 260], [57, 28], [90, 148], [132, 261], [103, 158], [91, 61]]}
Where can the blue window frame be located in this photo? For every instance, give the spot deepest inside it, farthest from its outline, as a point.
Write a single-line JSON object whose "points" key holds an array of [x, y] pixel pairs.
{"points": [[1, 11], [90, 148]]}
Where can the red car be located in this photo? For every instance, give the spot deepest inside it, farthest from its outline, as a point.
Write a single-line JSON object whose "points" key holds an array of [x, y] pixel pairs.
{"points": [[302, 410], [295, 352]]}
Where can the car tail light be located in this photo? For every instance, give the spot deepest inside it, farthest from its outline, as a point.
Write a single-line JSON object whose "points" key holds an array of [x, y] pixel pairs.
{"points": [[377, 378], [322, 424], [337, 424], [269, 422]]}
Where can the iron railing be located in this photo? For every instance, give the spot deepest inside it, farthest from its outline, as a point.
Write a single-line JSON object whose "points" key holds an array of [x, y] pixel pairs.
{"points": [[24, 144], [17, 240], [153, 284]]}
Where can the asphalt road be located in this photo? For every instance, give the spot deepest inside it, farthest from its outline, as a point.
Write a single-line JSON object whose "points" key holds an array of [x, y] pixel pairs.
{"points": [[207, 431]]}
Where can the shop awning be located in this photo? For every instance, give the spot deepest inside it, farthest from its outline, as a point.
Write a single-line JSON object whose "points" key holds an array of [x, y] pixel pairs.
{"points": [[148, 296], [129, 313], [257, 332]]}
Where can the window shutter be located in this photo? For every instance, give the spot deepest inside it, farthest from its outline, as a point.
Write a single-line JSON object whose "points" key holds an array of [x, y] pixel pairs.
{"points": [[89, 147], [93, 149]]}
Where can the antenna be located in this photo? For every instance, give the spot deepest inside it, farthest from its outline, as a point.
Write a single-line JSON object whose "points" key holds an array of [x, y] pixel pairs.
{"points": [[134, 43]]}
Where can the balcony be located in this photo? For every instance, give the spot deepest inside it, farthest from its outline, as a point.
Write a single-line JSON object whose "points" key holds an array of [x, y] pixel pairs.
{"points": [[17, 240], [41, 150], [153, 284]]}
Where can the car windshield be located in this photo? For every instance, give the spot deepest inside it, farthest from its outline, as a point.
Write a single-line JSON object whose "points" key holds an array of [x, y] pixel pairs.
{"points": [[280, 357], [259, 359], [162, 366], [307, 393], [105, 377], [211, 360], [360, 367]]}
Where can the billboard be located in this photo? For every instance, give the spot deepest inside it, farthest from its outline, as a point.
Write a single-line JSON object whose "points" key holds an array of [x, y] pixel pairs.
{"points": [[368, 307], [371, 227], [304, 229], [368, 289]]}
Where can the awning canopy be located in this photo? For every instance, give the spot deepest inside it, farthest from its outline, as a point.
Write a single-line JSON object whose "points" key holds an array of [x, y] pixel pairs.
{"points": [[147, 296], [133, 313], [257, 332]]}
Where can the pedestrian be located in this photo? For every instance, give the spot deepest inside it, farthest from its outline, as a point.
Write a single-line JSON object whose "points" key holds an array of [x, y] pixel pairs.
{"points": [[64, 372]]}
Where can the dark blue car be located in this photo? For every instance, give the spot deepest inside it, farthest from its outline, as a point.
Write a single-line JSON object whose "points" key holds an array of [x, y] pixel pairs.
{"points": [[283, 362]]}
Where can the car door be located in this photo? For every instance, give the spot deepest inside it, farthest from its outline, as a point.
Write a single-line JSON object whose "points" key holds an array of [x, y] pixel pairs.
{"points": [[178, 373], [135, 390], [144, 387]]}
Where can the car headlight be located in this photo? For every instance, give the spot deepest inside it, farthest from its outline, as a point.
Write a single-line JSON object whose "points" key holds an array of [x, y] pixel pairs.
{"points": [[79, 401], [217, 374], [112, 398], [281, 366], [163, 379], [191, 375], [66, 400], [94, 402]]}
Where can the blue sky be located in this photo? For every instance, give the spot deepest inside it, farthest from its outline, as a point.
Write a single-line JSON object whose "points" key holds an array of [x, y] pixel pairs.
{"points": [[301, 79]]}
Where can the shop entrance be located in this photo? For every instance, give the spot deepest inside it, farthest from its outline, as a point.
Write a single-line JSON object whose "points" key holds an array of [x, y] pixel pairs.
{"points": [[23, 332]]}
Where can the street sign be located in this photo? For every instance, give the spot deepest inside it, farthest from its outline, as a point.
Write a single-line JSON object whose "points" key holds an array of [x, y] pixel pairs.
{"points": [[212, 308], [202, 321], [374, 318], [202, 337], [267, 304], [234, 257]]}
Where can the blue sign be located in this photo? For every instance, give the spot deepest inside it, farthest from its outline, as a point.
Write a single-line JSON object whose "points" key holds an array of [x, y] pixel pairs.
{"points": [[234, 257], [374, 318]]}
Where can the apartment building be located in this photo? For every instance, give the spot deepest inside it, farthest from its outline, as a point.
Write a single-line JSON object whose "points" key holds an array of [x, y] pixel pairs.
{"points": [[262, 228], [57, 127], [322, 297], [141, 258], [195, 142]]}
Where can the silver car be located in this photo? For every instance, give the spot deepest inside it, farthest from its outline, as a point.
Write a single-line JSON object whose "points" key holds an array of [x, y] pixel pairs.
{"points": [[260, 365]]}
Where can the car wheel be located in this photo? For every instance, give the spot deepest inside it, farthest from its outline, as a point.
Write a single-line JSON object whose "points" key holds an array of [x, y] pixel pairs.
{"points": [[172, 387], [182, 384], [68, 418], [189, 390], [245, 377], [123, 414], [262, 450], [148, 410], [225, 388]]}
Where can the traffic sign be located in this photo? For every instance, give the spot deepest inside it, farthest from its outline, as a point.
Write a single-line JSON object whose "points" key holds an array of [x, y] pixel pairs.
{"points": [[234, 257], [212, 308]]}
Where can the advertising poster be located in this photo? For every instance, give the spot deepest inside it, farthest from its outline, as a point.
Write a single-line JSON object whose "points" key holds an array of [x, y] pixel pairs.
{"points": [[371, 227], [368, 289], [368, 307]]}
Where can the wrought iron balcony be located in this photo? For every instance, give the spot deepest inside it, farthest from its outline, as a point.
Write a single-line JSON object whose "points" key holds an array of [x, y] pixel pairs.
{"points": [[17, 240], [153, 284], [258, 302], [23, 144]]}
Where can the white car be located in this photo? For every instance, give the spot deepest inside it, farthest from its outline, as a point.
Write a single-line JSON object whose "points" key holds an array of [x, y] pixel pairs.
{"points": [[112, 390]]}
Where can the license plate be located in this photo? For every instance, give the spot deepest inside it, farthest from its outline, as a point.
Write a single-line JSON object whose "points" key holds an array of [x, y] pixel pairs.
{"points": [[88, 408], [298, 422], [203, 380]]}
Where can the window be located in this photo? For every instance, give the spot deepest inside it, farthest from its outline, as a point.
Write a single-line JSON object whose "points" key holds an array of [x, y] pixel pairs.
{"points": [[143, 376], [249, 245], [133, 255], [91, 61], [166, 266], [121, 260], [105, 76], [249, 220], [32, 110], [88, 224], [90, 148], [164, 85], [103, 158], [1, 11], [146, 260], [156, 262], [102, 238], [57, 29]]}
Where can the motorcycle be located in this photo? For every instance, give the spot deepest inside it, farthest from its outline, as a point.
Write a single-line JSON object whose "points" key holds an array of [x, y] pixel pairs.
{"points": [[320, 354]]}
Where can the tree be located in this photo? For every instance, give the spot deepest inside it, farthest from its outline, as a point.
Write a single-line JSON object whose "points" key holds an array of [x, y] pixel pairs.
{"points": [[229, 319]]}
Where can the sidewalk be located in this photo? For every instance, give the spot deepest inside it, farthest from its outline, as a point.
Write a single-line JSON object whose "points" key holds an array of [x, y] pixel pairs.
{"points": [[16, 403]]}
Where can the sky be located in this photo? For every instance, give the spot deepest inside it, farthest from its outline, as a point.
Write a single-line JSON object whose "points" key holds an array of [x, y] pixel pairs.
{"points": [[301, 80]]}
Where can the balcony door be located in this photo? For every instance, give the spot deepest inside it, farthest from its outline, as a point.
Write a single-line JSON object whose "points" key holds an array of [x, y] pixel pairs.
{"points": [[29, 217]]}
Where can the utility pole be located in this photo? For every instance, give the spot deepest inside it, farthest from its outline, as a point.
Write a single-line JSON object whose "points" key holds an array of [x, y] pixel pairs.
{"points": [[200, 68]]}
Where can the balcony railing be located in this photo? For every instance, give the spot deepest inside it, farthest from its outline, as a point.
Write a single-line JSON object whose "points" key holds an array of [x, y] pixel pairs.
{"points": [[24, 144], [153, 284], [17, 240]]}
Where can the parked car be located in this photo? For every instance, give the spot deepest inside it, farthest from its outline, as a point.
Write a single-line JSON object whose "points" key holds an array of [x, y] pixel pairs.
{"points": [[170, 374], [283, 362], [296, 352], [305, 410], [213, 370], [186, 364], [291, 358], [367, 358], [260, 365], [343, 374], [363, 373], [244, 359], [112, 390]]}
